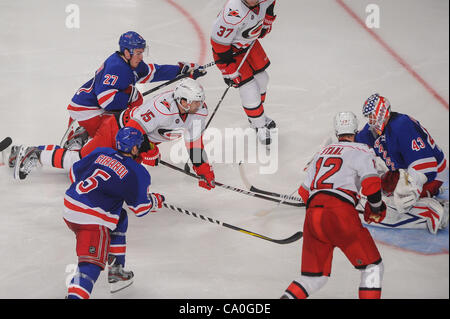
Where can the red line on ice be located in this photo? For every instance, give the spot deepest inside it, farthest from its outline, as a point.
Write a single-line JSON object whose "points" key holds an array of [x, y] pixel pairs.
{"points": [[197, 28], [391, 51]]}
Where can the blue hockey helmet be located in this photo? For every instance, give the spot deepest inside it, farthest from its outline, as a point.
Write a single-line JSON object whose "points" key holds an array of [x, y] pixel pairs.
{"points": [[377, 110], [131, 40], [127, 138]]}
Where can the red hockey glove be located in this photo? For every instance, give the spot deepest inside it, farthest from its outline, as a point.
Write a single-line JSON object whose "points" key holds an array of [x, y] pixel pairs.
{"points": [[193, 69], [389, 181], [431, 189], [150, 157], [207, 176], [267, 25], [370, 216], [136, 98], [157, 201], [230, 74]]}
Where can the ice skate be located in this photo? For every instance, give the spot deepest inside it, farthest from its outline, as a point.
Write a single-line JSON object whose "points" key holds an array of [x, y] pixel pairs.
{"points": [[269, 123], [77, 140], [13, 155], [26, 159], [119, 278], [263, 134]]}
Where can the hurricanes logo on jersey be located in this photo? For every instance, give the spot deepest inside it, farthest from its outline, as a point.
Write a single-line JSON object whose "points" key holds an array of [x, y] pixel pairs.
{"points": [[169, 134], [233, 13], [253, 31]]}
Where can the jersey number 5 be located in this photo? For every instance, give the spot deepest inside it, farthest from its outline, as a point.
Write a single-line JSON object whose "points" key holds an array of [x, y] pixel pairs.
{"points": [[319, 180], [91, 182]]}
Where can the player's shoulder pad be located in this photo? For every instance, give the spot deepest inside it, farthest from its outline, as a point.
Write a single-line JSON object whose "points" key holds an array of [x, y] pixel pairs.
{"points": [[234, 12], [403, 123], [116, 66], [164, 103], [202, 111]]}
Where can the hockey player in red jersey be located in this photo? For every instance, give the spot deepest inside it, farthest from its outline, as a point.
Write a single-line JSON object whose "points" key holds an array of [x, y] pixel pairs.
{"points": [[239, 25], [334, 178], [102, 183], [164, 117]]}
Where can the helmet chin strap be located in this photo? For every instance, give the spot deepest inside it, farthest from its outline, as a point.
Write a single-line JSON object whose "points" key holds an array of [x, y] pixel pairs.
{"points": [[184, 109]]}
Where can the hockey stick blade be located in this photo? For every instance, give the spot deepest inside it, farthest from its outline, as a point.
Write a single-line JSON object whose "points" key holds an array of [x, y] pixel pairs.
{"points": [[284, 241], [264, 192], [7, 141]]}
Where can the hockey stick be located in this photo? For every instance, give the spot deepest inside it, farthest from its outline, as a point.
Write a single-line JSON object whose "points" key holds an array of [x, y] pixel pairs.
{"points": [[288, 240], [186, 165], [257, 190], [235, 189], [5, 143], [229, 85], [182, 76]]}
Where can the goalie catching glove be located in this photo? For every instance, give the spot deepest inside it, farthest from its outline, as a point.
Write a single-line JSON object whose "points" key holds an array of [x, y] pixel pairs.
{"points": [[192, 69], [157, 201], [205, 172]]}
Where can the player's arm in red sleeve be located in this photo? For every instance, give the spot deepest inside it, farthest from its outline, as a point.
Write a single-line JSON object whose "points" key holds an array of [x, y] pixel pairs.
{"points": [[375, 208]]}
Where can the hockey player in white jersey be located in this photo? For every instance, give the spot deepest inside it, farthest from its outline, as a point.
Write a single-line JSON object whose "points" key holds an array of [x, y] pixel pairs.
{"points": [[164, 117], [330, 190], [237, 28]]}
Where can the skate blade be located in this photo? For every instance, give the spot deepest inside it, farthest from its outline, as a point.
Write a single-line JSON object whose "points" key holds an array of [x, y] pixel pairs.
{"points": [[120, 285], [19, 157]]}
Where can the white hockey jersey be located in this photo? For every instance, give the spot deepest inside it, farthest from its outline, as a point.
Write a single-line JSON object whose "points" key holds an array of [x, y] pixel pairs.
{"points": [[340, 168], [237, 25], [160, 118]]}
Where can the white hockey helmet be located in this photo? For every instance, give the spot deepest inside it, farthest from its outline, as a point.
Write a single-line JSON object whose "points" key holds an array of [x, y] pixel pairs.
{"points": [[190, 90], [345, 123]]}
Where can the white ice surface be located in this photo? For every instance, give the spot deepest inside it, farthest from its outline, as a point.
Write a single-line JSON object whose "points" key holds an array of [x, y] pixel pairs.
{"points": [[322, 62]]}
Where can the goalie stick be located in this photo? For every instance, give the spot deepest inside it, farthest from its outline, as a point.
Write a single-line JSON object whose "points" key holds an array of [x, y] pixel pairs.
{"points": [[235, 189], [287, 240], [257, 190], [5, 143]]}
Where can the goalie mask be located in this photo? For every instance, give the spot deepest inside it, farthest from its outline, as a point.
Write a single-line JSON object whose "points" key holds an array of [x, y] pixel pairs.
{"points": [[189, 90], [345, 123], [377, 110]]}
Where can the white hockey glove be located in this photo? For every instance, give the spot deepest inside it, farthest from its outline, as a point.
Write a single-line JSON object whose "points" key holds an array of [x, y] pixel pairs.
{"points": [[408, 189]]}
